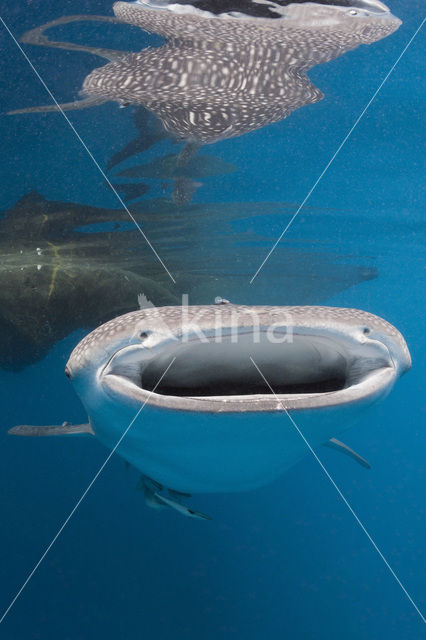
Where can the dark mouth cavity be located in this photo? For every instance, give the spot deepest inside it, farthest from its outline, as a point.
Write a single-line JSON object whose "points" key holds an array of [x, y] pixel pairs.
{"points": [[247, 386], [306, 365]]}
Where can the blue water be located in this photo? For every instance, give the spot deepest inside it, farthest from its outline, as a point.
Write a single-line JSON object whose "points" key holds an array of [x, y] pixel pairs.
{"points": [[288, 560]]}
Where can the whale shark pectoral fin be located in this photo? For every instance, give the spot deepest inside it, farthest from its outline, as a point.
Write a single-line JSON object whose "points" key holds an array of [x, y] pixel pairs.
{"points": [[333, 443], [181, 508], [91, 101], [36, 36], [52, 430]]}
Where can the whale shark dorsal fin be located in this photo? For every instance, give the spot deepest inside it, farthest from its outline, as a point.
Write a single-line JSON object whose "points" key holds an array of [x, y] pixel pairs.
{"points": [[52, 430], [333, 443]]}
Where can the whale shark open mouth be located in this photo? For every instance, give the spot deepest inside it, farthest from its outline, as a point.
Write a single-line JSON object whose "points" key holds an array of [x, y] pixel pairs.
{"points": [[300, 364]]}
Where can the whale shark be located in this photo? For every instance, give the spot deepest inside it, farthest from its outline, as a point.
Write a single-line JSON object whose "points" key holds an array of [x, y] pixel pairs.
{"points": [[227, 68], [176, 391]]}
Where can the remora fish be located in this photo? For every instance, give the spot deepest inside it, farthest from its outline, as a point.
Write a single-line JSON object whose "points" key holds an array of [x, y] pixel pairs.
{"points": [[209, 422]]}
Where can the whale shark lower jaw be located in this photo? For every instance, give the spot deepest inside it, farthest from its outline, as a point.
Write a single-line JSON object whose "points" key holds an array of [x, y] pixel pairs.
{"points": [[251, 370]]}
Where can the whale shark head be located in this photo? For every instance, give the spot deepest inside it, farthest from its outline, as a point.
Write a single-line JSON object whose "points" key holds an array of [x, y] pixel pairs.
{"points": [[203, 374], [312, 357]]}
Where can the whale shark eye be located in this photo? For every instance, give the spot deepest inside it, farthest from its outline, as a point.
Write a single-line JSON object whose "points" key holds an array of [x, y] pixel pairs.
{"points": [[143, 335], [353, 12], [366, 331], [67, 372]]}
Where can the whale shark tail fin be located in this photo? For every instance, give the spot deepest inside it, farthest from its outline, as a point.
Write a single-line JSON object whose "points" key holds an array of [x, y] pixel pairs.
{"points": [[66, 428], [333, 443]]}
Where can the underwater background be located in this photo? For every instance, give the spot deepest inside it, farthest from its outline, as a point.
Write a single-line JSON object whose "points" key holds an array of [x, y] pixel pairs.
{"points": [[288, 560]]}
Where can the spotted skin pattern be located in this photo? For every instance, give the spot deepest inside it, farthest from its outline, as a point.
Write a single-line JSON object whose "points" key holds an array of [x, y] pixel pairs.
{"points": [[221, 76]]}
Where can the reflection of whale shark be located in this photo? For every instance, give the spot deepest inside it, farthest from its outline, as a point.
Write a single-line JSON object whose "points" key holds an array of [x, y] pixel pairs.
{"points": [[195, 373], [150, 131], [220, 76], [168, 167]]}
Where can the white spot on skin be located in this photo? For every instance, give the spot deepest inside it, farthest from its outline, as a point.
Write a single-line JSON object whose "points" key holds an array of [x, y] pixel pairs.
{"points": [[183, 80], [128, 81]]}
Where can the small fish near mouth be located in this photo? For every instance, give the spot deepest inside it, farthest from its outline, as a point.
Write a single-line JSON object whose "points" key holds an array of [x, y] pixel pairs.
{"points": [[191, 370]]}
